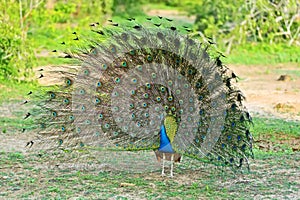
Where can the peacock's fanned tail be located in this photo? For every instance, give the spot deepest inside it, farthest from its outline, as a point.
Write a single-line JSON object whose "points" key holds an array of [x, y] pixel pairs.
{"points": [[131, 77]]}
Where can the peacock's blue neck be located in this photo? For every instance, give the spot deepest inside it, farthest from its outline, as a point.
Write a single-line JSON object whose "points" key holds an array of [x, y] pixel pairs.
{"points": [[165, 144]]}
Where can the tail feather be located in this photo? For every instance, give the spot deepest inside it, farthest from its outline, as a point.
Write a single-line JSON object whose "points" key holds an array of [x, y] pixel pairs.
{"points": [[130, 76]]}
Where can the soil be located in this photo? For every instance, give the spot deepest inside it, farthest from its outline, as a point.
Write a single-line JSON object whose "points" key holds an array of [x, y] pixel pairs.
{"points": [[266, 94]]}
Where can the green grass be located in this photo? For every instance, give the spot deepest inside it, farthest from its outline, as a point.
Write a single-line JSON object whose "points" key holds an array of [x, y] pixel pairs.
{"points": [[48, 38], [13, 125], [12, 96], [55, 61], [267, 126], [276, 135], [12, 90], [270, 174], [36, 176], [258, 54]]}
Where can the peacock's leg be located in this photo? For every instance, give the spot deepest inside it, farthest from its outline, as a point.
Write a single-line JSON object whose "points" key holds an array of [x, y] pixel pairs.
{"points": [[172, 164], [163, 165]]}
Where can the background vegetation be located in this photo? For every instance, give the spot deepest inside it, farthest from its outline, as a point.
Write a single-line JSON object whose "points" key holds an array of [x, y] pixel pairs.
{"points": [[29, 27]]}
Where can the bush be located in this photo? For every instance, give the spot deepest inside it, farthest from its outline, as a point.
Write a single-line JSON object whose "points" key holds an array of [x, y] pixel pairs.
{"points": [[248, 21], [16, 55]]}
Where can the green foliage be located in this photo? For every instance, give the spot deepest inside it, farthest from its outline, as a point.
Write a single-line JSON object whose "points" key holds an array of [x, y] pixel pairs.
{"points": [[247, 21], [62, 12], [127, 8], [235, 26], [213, 15], [72, 11], [16, 54], [55, 24], [232, 23], [19, 18]]}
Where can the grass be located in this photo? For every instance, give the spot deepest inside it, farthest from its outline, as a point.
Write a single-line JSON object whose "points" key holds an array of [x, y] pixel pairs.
{"points": [[41, 175], [12, 110], [15, 91], [30, 180], [55, 61], [267, 126], [10, 126], [276, 135], [264, 54]]}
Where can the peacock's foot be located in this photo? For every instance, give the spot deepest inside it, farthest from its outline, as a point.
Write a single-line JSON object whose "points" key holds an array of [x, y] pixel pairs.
{"points": [[163, 174]]}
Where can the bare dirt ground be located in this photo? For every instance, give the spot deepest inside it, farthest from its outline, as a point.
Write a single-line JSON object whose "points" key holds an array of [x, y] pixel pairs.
{"points": [[268, 96]]}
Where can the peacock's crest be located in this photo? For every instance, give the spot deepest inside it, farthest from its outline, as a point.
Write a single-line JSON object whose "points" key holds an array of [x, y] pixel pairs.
{"points": [[140, 83]]}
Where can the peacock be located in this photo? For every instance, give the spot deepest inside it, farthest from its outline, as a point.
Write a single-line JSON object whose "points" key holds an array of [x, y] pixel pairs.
{"points": [[144, 86]]}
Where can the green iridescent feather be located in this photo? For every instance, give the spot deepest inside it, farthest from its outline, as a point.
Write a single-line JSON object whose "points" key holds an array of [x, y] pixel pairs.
{"points": [[130, 79]]}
